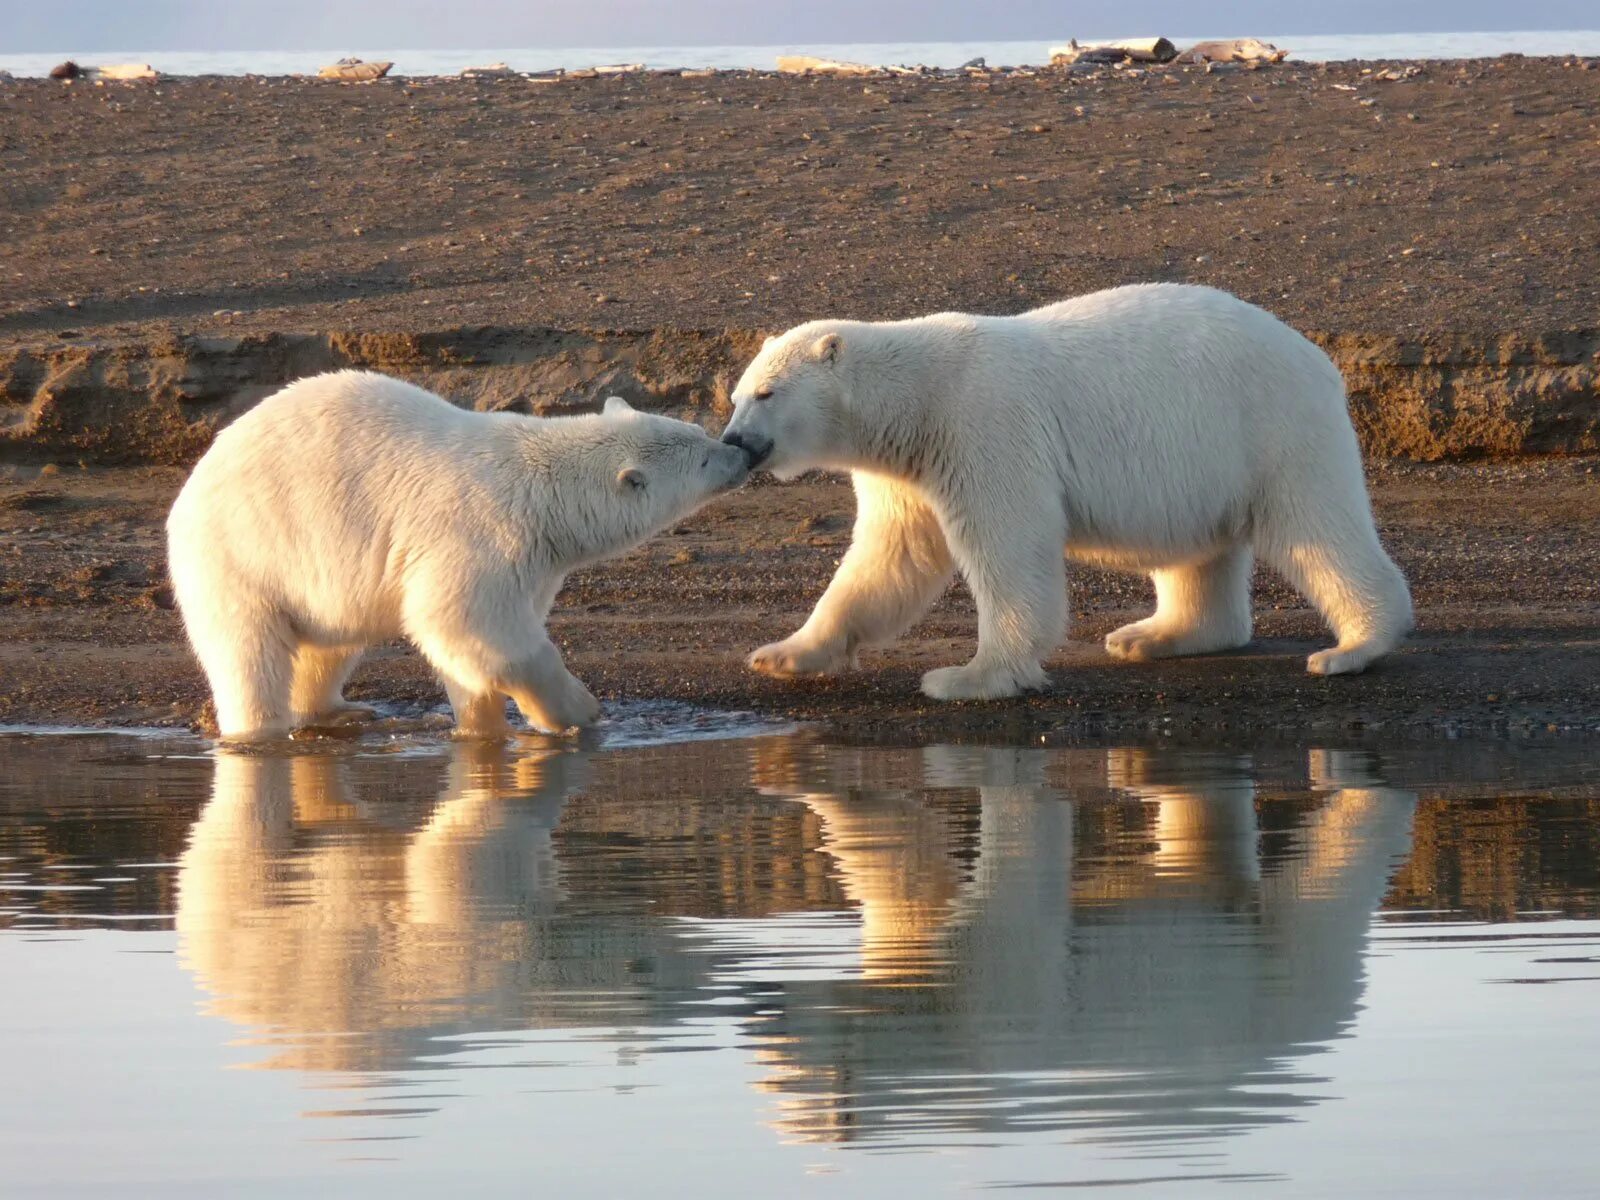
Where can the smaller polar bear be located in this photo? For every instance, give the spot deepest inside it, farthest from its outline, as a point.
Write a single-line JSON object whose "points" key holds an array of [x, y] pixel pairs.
{"points": [[1160, 428], [352, 507]]}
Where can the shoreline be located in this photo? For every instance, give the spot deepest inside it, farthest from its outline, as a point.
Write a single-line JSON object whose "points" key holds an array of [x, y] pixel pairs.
{"points": [[1025, 54]]}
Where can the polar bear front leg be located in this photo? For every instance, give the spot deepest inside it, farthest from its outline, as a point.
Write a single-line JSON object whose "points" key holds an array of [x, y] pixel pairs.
{"points": [[897, 565], [479, 714], [1018, 578], [490, 648], [549, 696], [1201, 608], [316, 693]]}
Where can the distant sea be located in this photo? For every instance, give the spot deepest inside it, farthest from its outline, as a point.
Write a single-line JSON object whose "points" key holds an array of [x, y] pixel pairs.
{"points": [[933, 54]]}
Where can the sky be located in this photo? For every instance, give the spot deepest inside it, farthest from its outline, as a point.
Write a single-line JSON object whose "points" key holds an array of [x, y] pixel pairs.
{"points": [[89, 25]]}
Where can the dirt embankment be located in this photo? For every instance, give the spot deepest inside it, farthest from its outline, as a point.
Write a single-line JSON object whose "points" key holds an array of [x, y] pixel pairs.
{"points": [[1428, 397]]}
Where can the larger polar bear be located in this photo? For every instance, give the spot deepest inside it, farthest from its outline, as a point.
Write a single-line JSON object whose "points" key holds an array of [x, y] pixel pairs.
{"points": [[352, 507], [1161, 428]]}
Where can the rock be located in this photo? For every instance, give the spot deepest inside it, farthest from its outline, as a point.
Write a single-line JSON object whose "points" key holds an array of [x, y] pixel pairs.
{"points": [[66, 70], [1240, 50], [803, 64], [125, 71], [354, 70], [1157, 50], [979, 63]]}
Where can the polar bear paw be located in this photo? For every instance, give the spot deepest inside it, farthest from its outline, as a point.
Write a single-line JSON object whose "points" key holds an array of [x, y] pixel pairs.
{"points": [[1340, 662], [970, 682], [794, 657], [578, 709], [1147, 639], [342, 720], [1140, 642], [572, 707], [343, 713]]}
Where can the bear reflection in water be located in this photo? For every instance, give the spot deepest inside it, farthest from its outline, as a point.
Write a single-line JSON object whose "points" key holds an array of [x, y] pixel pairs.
{"points": [[1128, 940]]}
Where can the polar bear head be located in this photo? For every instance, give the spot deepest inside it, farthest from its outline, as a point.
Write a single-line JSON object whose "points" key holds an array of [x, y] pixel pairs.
{"points": [[631, 474], [789, 407]]}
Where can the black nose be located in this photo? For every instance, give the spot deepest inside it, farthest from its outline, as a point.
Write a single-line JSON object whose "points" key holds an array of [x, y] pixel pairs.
{"points": [[755, 452]]}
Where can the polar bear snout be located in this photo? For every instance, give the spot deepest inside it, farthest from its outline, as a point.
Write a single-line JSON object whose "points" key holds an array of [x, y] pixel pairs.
{"points": [[756, 449], [735, 463]]}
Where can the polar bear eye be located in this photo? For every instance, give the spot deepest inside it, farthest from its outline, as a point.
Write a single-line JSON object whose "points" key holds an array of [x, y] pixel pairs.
{"points": [[764, 394]]}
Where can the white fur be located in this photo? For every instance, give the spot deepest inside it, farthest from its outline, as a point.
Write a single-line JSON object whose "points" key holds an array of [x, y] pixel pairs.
{"points": [[1161, 428], [350, 508]]}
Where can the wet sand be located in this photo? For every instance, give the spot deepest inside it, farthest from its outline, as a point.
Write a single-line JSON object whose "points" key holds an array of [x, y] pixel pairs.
{"points": [[1502, 559]]}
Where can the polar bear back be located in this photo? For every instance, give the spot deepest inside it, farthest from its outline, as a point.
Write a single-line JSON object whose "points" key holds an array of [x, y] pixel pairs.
{"points": [[347, 496], [1154, 363], [323, 489], [1159, 411]]}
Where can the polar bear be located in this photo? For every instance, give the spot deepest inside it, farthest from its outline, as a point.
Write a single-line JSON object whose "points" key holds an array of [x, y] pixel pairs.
{"points": [[352, 507], [1160, 428]]}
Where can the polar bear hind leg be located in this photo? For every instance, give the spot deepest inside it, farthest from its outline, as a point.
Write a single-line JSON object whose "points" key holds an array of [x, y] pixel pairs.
{"points": [[248, 659], [316, 695], [1201, 608], [1326, 545]]}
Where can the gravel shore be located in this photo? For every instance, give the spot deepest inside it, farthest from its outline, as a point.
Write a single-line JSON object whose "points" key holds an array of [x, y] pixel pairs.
{"points": [[1457, 200], [1503, 562]]}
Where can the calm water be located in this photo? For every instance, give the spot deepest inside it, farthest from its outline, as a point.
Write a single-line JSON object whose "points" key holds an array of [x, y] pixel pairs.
{"points": [[776, 967], [935, 54]]}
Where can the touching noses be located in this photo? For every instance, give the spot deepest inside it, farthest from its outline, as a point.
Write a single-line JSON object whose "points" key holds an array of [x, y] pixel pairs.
{"points": [[756, 449]]}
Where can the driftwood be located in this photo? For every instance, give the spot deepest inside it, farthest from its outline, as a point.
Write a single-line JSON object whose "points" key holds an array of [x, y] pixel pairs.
{"points": [[619, 69], [127, 70], [111, 71], [1233, 50], [489, 69], [1158, 50], [803, 64], [353, 69]]}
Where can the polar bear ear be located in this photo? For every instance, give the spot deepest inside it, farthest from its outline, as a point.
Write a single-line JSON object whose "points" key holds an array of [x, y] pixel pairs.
{"points": [[616, 406], [630, 479], [826, 348]]}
